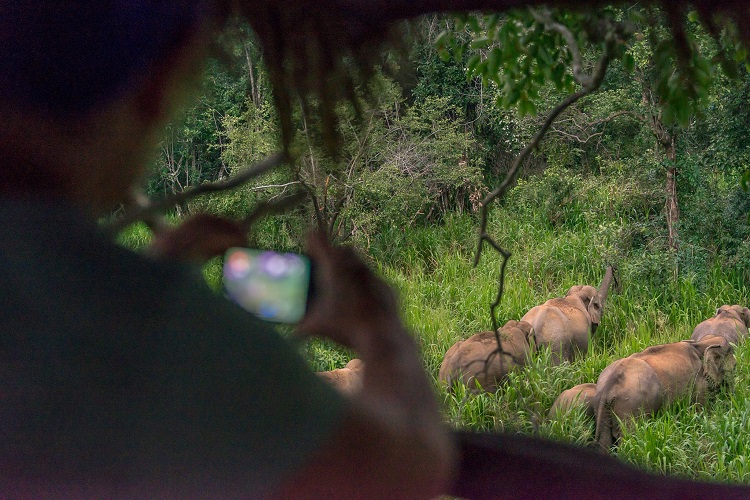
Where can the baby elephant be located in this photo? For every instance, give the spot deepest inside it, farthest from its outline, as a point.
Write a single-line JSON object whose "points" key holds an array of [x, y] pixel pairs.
{"points": [[580, 395], [475, 361], [347, 380], [730, 322], [645, 381]]}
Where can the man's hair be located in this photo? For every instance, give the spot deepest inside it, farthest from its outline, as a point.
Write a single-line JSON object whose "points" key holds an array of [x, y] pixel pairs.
{"points": [[67, 57]]}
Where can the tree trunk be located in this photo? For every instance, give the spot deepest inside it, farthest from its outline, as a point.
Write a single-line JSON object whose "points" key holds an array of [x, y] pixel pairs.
{"points": [[672, 207], [254, 89], [665, 139]]}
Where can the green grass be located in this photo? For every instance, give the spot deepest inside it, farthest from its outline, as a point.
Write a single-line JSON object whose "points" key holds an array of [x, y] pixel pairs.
{"points": [[445, 299]]}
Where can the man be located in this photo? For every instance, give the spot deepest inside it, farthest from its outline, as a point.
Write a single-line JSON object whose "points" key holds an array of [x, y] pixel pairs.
{"points": [[126, 376]]}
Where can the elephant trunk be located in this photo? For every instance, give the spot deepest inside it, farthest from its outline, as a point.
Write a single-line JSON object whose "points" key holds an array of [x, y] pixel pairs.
{"points": [[604, 286]]}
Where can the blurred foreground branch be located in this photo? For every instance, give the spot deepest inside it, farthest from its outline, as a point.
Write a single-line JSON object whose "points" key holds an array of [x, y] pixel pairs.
{"points": [[150, 211]]}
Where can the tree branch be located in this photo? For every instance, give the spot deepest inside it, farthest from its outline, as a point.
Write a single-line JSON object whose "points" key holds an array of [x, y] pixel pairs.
{"points": [[269, 207], [544, 17], [150, 209], [386, 11], [589, 84], [590, 125]]}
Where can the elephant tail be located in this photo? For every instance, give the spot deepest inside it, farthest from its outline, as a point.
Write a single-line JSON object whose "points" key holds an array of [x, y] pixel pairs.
{"points": [[605, 422]]}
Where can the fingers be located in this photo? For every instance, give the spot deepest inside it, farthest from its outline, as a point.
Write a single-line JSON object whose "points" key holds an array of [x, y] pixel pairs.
{"points": [[198, 239], [351, 300]]}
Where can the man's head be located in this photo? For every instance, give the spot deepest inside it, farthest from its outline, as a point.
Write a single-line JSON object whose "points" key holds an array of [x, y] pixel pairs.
{"points": [[85, 87]]}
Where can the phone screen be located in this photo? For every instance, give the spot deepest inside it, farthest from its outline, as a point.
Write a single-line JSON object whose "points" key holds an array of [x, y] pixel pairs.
{"points": [[272, 285]]}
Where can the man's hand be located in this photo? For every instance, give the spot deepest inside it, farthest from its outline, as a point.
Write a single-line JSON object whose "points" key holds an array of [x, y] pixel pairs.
{"points": [[351, 302], [198, 239], [393, 442]]}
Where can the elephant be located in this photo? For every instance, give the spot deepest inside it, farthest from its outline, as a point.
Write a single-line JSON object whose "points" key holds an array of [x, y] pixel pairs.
{"points": [[347, 380], [730, 322], [564, 323], [476, 362], [579, 395], [645, 381]]}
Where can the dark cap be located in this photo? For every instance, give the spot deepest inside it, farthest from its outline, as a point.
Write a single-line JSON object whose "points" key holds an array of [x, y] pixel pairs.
{"points": [[69, 56]]}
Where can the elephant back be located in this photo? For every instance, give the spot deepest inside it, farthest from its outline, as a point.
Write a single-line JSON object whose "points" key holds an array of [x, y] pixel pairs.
{"points": [[347, 380], [730, 322], [579, 395], [677, 365], [627, 387], [517, 340], [477, 359]]}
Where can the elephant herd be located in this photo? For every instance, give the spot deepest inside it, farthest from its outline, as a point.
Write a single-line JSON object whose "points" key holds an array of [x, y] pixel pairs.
{"points": [[643, 382], [564, 325], [639, 384]]}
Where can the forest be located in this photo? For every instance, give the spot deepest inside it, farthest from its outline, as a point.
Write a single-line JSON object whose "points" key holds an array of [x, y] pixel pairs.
{"points": [[572, 141]]}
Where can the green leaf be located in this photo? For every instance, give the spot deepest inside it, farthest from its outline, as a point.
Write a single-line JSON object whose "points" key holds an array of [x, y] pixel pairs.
{"points": [[628, 62], [473, 23], [492, 21], [471, 65], [481, 43], [493, 61], [558, 72], [460, 21], [511, 98], [526, 107], [728, 67], [693, 16], [545, 57], [440, 40], [740, 54], [532, 108]]}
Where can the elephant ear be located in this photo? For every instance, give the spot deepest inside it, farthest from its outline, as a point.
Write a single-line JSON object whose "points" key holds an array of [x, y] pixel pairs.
{"points": [[713, 362], [709, 341], [528, 330], [595, 309], [745, 315]]}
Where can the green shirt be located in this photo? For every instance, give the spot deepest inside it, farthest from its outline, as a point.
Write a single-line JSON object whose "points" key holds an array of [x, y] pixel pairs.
{"points": [[123, 374]]}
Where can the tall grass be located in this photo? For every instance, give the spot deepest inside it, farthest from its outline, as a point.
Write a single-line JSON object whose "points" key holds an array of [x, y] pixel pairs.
{"points": [[445, 299]]}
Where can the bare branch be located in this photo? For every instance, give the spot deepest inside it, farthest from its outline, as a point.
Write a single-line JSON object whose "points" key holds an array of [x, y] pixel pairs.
{"points": [[590, 125], [149, 210], [272, 186], [589, 84], [269, 207], [595, 80], [518, 161]]}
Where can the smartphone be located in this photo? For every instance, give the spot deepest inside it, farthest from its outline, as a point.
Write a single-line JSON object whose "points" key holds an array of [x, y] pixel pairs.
{"points": [[272, 285]]}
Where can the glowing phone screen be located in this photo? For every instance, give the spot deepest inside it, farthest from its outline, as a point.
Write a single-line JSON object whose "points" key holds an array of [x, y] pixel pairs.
{"points": [[271, 285]]}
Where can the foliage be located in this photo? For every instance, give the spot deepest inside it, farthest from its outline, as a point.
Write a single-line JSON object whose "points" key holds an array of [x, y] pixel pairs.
{"points": [[423, 172], [520, 55]]}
